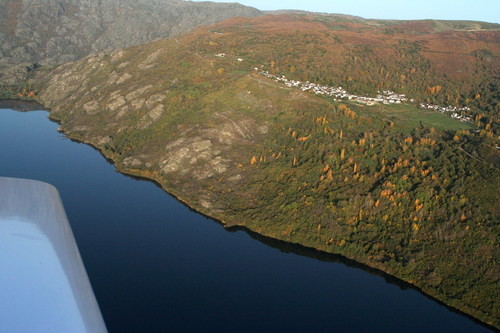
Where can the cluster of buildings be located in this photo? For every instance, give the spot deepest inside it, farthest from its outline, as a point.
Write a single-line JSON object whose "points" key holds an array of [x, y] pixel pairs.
{"points": [[454, 112], [385, 97]]}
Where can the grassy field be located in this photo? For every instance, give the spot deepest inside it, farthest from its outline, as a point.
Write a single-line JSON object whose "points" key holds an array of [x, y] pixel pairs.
{"points": [[409, 116]]}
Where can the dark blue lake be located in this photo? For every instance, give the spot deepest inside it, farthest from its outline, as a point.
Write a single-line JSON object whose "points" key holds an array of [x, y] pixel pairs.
{"points": [[157, 266]]}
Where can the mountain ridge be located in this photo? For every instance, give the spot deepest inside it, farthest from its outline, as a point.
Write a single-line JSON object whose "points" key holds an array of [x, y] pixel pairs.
{"points": [[50, 32]]}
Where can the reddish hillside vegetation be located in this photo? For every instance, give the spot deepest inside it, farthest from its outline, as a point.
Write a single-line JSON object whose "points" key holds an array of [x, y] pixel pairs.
{"points": [[365, 56]]}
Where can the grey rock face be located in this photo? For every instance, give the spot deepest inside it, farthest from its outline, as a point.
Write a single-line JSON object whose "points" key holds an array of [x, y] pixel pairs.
{"points": [[57, 31]]}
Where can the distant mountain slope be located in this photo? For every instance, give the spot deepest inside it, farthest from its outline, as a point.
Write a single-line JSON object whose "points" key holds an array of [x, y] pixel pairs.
{"points": [[56, 31], [412, 192], [428, 60]]}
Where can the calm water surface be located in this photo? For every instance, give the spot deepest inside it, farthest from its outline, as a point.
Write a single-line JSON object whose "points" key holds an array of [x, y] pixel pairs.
{"points": [[157, 266]]}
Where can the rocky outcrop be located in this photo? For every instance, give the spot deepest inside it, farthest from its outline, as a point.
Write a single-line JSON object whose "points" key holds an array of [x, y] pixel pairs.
{"points": [[123, 101], [52, 32]]}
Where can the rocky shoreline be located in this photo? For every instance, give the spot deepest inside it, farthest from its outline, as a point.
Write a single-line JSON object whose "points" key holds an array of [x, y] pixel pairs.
{"points": [[374, 267]]}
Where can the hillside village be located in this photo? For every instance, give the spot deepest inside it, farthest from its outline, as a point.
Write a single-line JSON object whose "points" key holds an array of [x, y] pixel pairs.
{"points": [[384, 96], [456, 113]]}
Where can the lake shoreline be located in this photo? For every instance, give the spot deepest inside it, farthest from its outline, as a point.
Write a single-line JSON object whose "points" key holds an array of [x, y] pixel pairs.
{"points": [[22, 105], [25, 106]]}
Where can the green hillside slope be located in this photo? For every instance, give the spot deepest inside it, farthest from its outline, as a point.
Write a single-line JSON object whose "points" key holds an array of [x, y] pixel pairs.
{"points": [[410, 191]]}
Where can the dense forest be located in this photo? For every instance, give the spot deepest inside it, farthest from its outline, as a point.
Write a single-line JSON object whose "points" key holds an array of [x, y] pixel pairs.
{"points": [[404, 201]]}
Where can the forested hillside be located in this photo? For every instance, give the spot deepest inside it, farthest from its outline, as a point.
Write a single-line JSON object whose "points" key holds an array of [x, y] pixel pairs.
{"points": [[407, 190], [438, 62]]}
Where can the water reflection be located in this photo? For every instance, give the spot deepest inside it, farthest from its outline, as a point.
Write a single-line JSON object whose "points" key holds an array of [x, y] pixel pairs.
{"points": [[296, 249], [19, 105]]}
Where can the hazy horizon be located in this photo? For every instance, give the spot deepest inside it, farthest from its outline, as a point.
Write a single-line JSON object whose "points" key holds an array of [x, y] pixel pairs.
{"points": [[479, 10]]}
